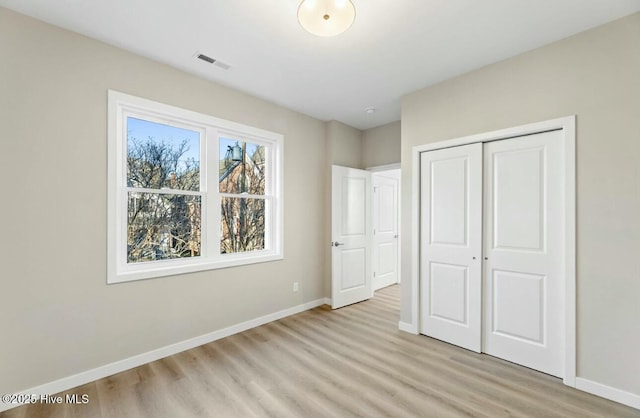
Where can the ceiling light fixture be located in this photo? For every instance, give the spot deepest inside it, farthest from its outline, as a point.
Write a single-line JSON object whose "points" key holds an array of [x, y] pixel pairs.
{"points": [[326, 17]]}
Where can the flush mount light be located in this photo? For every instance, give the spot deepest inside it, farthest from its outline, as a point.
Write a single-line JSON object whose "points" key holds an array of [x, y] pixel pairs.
{"points": [[370, 110], [326, 17]]}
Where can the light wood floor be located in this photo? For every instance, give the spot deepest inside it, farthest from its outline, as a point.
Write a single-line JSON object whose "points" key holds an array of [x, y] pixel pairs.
{"points": [[323, 363]]}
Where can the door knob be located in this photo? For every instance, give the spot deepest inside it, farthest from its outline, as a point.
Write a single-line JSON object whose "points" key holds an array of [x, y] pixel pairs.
{"points": [[337, 244]]}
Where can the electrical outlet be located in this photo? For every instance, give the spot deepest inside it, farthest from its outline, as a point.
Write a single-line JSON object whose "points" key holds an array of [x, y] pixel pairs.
{"points": [[296, 286]]}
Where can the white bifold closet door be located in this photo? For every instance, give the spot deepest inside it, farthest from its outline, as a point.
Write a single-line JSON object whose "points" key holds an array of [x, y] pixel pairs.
{"points": [[523, 243], [492, 249], [451, 245]]}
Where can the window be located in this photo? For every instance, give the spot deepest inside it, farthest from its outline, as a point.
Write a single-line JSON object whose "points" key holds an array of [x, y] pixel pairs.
{"points": [[188, 192], [242, 190]]}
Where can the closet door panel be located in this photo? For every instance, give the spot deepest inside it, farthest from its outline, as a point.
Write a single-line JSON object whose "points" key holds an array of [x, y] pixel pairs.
{"points": [[523, 241], [450, 247]]}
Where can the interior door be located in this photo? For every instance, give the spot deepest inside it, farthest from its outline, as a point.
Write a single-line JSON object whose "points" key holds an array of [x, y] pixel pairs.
{"points": [[385, 230], [524, 284], [450, 245], [351, 236]]}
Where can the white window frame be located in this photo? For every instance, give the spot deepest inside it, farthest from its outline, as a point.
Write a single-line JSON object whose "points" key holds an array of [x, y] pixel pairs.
{"points": [[121, 106]]}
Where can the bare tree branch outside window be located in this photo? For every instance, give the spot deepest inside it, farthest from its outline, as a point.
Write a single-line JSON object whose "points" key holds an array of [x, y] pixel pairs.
{"points": [[163, 223], [243, 208]]}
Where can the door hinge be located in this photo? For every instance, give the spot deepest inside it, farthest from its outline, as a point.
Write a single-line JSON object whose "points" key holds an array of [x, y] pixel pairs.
{"points": [[374, 274]]}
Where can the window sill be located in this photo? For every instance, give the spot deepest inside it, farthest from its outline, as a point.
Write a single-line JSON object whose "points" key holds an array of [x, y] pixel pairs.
{"points": [[171, 269]]}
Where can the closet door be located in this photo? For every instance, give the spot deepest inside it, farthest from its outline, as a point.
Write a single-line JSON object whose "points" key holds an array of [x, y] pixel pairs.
{"points": [[450, 245], [523, 247]]}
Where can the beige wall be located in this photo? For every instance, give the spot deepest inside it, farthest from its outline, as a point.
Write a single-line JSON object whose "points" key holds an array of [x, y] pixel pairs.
{"points": [[60, 317], [381, 145], [595, 75], [344, 145]]}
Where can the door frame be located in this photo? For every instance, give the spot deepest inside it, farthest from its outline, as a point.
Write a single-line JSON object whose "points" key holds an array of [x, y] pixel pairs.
{"points": [[568, 126]]}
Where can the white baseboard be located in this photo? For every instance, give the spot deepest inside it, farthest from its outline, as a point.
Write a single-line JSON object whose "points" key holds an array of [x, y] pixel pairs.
{"points": [[70, 382], [604, 391], [407, 327], [327, 301]]}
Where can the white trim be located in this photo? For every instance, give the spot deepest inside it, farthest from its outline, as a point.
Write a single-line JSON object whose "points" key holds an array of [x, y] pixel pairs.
{"points": [[327, 301], [386, 167], [407, 327], [529, 129], [567, 124], [415, 238], [70, 382], [607, 392], [570, 360], [161, 269], [211, 129]]}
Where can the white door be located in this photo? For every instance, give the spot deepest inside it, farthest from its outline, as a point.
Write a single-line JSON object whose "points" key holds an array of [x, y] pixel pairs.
{"points": [[523, 242], [351, 236], [385, 230], [451, 245]]}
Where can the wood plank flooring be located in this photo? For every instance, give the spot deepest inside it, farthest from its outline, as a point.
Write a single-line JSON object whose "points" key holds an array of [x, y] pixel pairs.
{"points": [[352, 362]]}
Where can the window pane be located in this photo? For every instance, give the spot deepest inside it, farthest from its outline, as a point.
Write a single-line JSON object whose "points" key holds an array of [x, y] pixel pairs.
{"points": [[242, 225], [242, 167], [162, 226], [162, 156]]}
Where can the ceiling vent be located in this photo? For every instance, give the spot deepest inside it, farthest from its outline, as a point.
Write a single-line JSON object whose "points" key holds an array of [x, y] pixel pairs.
{"points": [[203, 57], [213, 61]]}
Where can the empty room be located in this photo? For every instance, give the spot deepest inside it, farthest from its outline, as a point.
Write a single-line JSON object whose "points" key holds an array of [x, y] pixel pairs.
{"points": [[320, 208]]}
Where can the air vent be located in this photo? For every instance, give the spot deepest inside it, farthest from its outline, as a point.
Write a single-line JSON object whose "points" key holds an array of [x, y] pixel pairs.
{"points": [[203, 57], [213, 61]]}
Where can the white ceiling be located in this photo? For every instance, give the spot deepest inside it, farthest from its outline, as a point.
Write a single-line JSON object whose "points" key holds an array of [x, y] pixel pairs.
{"points": [[394, 47]]}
